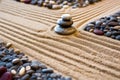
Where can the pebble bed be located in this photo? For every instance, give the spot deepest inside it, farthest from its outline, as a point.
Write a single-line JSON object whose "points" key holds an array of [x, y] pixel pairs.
{"points": [[14, 65], [58, 4], [108, 26]]}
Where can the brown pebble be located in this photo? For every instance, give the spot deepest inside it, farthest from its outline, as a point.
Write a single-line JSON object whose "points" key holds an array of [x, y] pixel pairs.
{"points": [[8, 45], [17, 51], [91, 30]]}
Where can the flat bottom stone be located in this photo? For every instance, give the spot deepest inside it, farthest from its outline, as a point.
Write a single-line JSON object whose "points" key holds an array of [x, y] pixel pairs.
{"points": [[64, 31]]}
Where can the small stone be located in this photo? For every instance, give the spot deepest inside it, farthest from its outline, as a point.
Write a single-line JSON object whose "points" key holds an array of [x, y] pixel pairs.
{"points": [[68, 78], [2, 64], [51, 2], [47, 70], [49, 6], [66, 17], [64, 24], [30, 71], [113, 23], [42, 66], [91, 30], [65, 6], [117, 37], [28, 68], [26, 64], [56, 7], [33, 77], [22, 71], [13, 72], [39, 78], [40, 3], [115, 33], [113, 36], [16, 61], [2, 70], [27, 1], [108, 34], [53, 75], [24, 60], [116, 27], [25, 77], [33, 2], [38, 74], [8, 65], [22, 0], [35, 64], [8, 45], [64, 31], [6, 76], [98, 32], [17, 51]]}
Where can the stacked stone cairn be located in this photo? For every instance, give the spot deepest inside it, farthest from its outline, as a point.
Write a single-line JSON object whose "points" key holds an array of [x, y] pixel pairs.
{"points": [[64, 25]]}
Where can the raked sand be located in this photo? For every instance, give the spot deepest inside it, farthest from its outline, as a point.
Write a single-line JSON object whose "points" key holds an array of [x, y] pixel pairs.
{"points": [[83, 55]]}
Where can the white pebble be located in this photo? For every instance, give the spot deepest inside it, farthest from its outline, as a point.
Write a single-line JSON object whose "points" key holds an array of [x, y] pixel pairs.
{"points": [[22, 71], [28, 68], [13, 72]]}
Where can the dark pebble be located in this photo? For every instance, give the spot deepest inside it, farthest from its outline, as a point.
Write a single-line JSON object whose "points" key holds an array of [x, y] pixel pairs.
{"points": [[47, 70], [108, 34], [112, 23], [8, 65], [34, 2], [25, 77], [117, 37], [30, 72], [64, 23]]}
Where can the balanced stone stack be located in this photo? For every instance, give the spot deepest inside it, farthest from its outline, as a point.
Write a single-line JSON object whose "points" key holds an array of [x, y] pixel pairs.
{"points": [[58, 4], [108, 26], [64, 25]]}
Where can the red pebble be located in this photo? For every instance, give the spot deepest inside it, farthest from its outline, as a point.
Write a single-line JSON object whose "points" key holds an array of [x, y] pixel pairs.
{"points": [[27, 1], [98, 32], [6, 76], [2, 70]]}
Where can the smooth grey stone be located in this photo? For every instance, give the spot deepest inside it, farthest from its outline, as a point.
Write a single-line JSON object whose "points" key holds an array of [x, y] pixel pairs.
{"points": [[53, 75], [68, 78], [113, 36], [33, 77], [2, 63], [35, 64], [117, 37], [64, 24], [8, 65], [38, 74], [64, 31], [30, 71], [16, 61], [108, 34], [24, 60], [40, 3], [26, 64], [2, 54], [47, 70], [25, 77], [33, 2]]}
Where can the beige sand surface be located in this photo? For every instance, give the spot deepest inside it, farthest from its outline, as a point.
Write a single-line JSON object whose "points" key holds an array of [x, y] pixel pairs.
{"points": [[83, 55]]}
